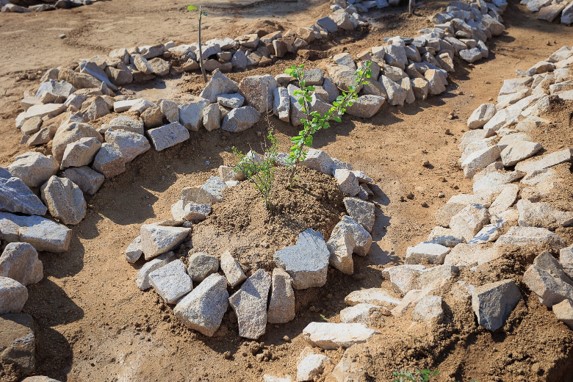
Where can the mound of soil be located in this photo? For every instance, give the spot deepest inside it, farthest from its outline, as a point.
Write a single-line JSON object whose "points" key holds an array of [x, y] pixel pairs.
{"points": [[243, 225]]}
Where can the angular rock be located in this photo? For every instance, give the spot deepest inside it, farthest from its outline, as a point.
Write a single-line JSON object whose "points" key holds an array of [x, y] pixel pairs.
{"points": [[13, 295], [518, 151], [307, 261], [129, 144], [542, 215], [281, 103], [190, 211], [201, 265], [347, 182], [170, 110], [331, 336], [203, 309], [80, 153], [250, 305], [469, 221], [16, 197], [219, 84], [109, 161], [44, 234], [479, 160], [504, 200], [69, 133], [33, 168], [232, 100], [240, 119], [426, 253], [366, 106], [395, 93], [319, 160], [157, 239], [18, 343], [88, 180], [20, 262], [212, 117], [564, 312], [282, 301], [546, 161], [531, 236], [142, 278], [366, 314], [347, 237], [429, 308], [232, 269], [191, 114], [493, 303], [168, 136], [133, 251], [361, 211], [152, 117], [258, 91], [470, 55], [65, 200], [445, 237], [311, 367], [481, 115], [403, 278], [468, 255], [547, 279], [171, 281], [374, 296]]}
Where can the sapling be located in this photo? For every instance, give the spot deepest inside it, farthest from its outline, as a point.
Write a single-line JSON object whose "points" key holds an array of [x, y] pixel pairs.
{"points": [[314, 121], [194, 8]]}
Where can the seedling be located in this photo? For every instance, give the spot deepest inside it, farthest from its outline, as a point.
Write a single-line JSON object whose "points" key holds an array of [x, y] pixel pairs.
{"points": [[194, 8], [314, 121], [424, 375]]}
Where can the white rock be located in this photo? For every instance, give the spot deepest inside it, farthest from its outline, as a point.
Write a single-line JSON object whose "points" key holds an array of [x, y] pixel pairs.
{"points": [[240, 119], [468, 255], [212, 117], [250, 305], [366, 314], [258, 91], [133, 251], [20, 262], [64, 199], [328, 335], [191, 114], [469, 221], [157, 239], [311, 367], [429, 308], [347, 237], [426, 253], [44, 234], [33, 168], [168, 136], [504, 200], [481, 115], [480, 160], [547, 279], [88, 180], [403, 278], [171, 281], [13, 295], [531, 236], [366, 106], [546, 161], [518, 151], [319, 160], [15, 196], [282, 302], [129, 144], [542, 215], [80, 153], [347, 182], [374, 296], [142, 278], [232, 269], [109, 161], [445, 237]]}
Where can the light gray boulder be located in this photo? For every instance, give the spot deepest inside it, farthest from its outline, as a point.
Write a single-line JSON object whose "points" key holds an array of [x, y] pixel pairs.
{"points": [[33, 168], [366, 106], [347, 237], [374, 296], [394, 91], [429, 308], [548, 280], [53, 91], [13, 295], [281, 104], [258, 91], [564, 312], [531, 237], [479, 160], [366, 314], [218, 84], [109, 161], [157, 239], [282, 304], [127, 123], [542, 215], [231, 101], [80, 153], [65, 200], [20, 262], [142, 278], [203, 309], [168, 136], [347, 182], [44, 234], [469, 221], [130, 144], [518, 151], [87, 179], [361, 211], [493, 303], [201, 265], [319, 160], [430, 253], [403, 278], [171, 281], [250, 305], [190, 211], [330, 336], [191, 114], [232, 269], [170, 110], [307, 261], [16, 197], [240, 119], [212, 117]]}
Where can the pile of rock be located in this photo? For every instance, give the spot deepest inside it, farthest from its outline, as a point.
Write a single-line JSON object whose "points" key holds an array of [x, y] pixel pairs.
{"points": [[550, 10], [26, 6], [505, 212], [174, 274]]}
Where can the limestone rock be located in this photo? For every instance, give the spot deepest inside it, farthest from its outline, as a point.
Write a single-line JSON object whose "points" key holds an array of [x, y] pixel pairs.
{"points": [[33, 168], [142, 278], [469, 221], [403, 278], [481, 115], [479, 160], [307, 261], [366, 314], [133, 251], [518, 151], [201, 265], [281, 104], [426, 253], [347, 182], [80, 153], [493, 303], [88, 180], [547, 279], [282, 302], [366, 106], [157, 239], [203, 309], [374, 296], [531, 236], [232, 100], [329, 336], [109, 161], [232, 269], [212, 117], [311, 367], [170, 110], [319, 160], [542, 215], [44, 234], [13, 295], [16, 197], [250, 305], [219, 84], [20, 262], [168, 136], [240, 119], [171, 281]]}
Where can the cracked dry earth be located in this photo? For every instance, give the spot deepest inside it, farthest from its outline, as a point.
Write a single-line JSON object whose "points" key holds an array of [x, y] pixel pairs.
{"points": [[93, 324]]}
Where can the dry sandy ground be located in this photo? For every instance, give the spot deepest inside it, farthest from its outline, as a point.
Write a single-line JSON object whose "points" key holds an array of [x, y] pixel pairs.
{"points": [[95, 325]]}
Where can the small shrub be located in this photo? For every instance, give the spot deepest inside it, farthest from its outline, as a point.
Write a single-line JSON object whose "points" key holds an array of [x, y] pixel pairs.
{"points": [[424, 375]]}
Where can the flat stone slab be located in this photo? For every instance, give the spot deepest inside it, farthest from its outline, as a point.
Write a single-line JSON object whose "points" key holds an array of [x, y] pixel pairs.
{"points": [[330, 336], [307, 261], [15, 196], [282, 304], [171, 281], [203, 309], [250, 305], [142, 278], [493, 303], [157, 239], [531, 236], [168, 136], [374, 296], [548, 280], [44, 234], [426, 253]]}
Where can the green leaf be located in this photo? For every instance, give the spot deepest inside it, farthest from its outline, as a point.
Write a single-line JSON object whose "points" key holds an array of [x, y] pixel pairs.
{"points": [[192, 8]]}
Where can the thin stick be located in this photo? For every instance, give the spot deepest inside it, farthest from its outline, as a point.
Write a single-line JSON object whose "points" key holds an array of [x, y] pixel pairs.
{"points": [[200, 48]]}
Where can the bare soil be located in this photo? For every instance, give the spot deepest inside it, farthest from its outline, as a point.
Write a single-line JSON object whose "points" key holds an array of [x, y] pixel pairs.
{"points": [[95, 325]]}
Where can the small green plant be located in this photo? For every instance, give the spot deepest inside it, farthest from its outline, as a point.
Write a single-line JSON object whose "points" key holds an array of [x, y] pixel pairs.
{"points": [[424, 375], [194, 8], [314, 121], [260, 170]]}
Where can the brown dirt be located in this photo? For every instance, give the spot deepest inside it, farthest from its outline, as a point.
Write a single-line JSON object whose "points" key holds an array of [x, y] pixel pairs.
{"points": [[95, 325], [252, 233]]}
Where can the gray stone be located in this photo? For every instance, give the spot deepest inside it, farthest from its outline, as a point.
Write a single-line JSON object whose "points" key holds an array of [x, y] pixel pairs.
{"points": [[109, 161], [65, 200], [272, 378], [170, 110], [547, 279], [329, 336], [542, 215], [142, 278], [493, 303], [319, 160], [429, 308], [159, 66], [347, 182], [190, 211], [258, 91], [171, 281], [469, 221], [250, 305], [479, 160], [91, 68], [97, 109], [191, 114], [421, 88], [33, 168], [15, 196], [141, 64], [152, 117], [374, 296], [212, 117], [134, 251], [219, 84], [168, 136], [366, 106], [470, 55], [403, 278], [518, 151], [157, 239], [564, 312], [282, 307], [44, 234], [361, 211], [88, 180], [20, 262], [239, 60], [202, 265], [203, 309], [531, 236], [347, 237], [80, 153], [430, 253], [396, 94], [307, 261], [468, 255], [281, 104], [232, 100], [437, 81], [31, 126], [127, 123], [311, 366], [504, 200], [327, 24], [567, 15], [48, 110], [566, 260], [57, 91], [232, 269], [481, 115], [343, 76], [69, 133], [240, 119], [13, 295], [78, 80], [18, 343], [129, 144]]}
